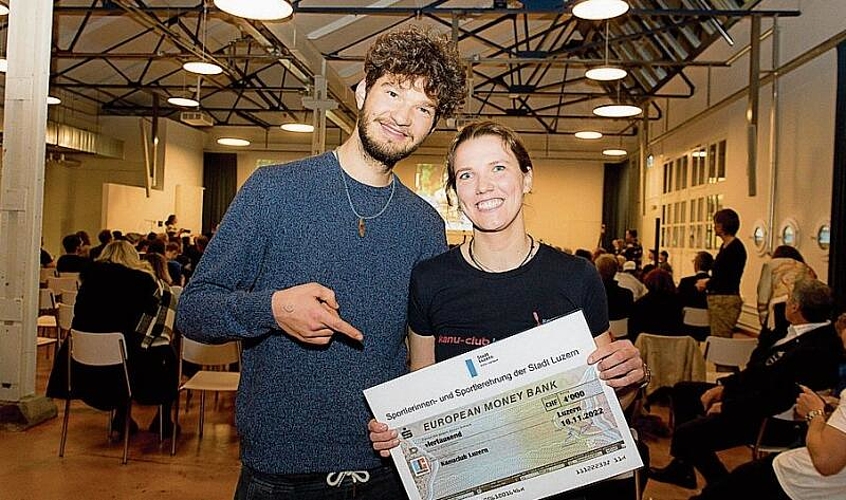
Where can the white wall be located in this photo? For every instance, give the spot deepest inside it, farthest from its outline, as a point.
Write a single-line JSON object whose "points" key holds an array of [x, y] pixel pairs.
{"points": [[803, 141], [564, 209]]}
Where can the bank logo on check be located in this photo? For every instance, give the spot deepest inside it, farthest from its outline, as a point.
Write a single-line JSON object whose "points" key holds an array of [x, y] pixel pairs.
{"points": [[471, 367]]}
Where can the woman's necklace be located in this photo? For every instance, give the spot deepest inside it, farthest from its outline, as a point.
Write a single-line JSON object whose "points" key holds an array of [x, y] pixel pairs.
{"points": [[489, 270], [362, 218]]}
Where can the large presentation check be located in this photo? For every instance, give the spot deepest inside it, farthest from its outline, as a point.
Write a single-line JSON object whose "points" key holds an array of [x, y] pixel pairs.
{"points": [[522, 418]]}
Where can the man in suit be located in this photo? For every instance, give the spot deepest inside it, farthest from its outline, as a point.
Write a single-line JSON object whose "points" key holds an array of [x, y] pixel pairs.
{"points": [[710, 417], [688, 294]]}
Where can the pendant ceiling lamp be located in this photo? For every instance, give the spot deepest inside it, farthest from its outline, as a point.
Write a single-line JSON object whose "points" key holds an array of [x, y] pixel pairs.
{"points": [[614, 152], [606, 72], [233, 141], [202, 66], [588, 134], [260, 10], [297, 127], [598, 10], [52, 100], [186, 101], [4, 10], [617, 110]]}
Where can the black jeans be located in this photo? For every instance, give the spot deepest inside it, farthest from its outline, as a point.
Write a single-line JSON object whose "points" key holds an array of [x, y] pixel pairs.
{"points": [[751, 480], [384, 484], [697, 437]]}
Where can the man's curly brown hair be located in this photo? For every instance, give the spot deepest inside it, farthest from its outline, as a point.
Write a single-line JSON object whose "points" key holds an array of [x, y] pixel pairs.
{"points": [[414, 52]]}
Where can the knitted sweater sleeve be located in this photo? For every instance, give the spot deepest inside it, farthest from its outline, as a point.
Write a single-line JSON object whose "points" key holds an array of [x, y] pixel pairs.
{"points": [[220, 302]]}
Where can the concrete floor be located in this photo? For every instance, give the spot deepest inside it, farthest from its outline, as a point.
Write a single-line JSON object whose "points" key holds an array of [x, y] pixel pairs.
{"points": [[206, 468]]}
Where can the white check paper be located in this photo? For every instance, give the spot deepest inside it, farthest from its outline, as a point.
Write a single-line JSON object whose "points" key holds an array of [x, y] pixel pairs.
{"points": [[522, 418]]}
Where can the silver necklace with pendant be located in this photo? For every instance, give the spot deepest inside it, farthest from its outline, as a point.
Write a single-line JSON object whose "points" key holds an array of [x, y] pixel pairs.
{"points": [[362, 228]]}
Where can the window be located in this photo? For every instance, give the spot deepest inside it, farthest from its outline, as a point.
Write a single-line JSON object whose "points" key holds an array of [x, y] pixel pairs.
{"points": [[824, 236], [668, 177], [681, 173], [686, 218], [697, 166]]}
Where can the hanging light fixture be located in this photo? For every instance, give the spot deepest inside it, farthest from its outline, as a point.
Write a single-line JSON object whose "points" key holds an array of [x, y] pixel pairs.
{"points": [[261, 10], [203, 67], [614, 152], [186, 101], [52, 100], [233, 141], [595, 10], [617, 110], [606, 72], [588, 134], [4, 65], [4, 10], [297, 127]]}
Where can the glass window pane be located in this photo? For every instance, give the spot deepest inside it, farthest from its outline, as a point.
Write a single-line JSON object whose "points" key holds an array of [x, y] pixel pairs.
{"points": [[712, 164], [721, 162]]}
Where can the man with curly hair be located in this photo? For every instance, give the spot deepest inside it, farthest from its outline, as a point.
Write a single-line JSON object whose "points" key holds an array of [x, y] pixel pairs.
{"points": [[319, 296]]}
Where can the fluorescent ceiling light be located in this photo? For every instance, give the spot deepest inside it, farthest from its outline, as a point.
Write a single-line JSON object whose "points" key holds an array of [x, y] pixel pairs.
{"points": [[617, 110], [53, 100], [297, 127], [233, 141], [261, 10], [596, 10], [606, 73], [202, 68], [614, 152], [588, 134], [4, 65], [185, 102]]}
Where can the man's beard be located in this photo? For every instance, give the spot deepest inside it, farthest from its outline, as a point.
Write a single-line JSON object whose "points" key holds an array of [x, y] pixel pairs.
{"points": [[385, 153]]}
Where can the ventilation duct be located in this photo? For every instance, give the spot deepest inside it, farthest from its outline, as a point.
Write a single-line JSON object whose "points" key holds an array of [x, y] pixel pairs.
{"points": [[83, 141]]}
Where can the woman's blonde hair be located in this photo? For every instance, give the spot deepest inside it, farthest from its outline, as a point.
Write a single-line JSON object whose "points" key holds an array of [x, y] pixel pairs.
{"points": [[123, 253]]}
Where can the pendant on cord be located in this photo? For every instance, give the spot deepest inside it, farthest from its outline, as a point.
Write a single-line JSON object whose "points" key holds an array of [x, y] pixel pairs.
{"points": [[361, 227]]}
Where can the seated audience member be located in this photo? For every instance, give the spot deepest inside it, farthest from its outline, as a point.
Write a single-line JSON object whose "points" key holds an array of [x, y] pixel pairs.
{"points": [[709, 417], [664, 261], [86, 242], [72, 261], [620, 299], [118, 291], [777, 277], [104, 237], [158, 262], [627, 279], [117, 235], [618, 247], [815, 471], [659, 311], [142, 246], [647, 268], [585, 254], [46, 259], [688, 293], [174, 267]]}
